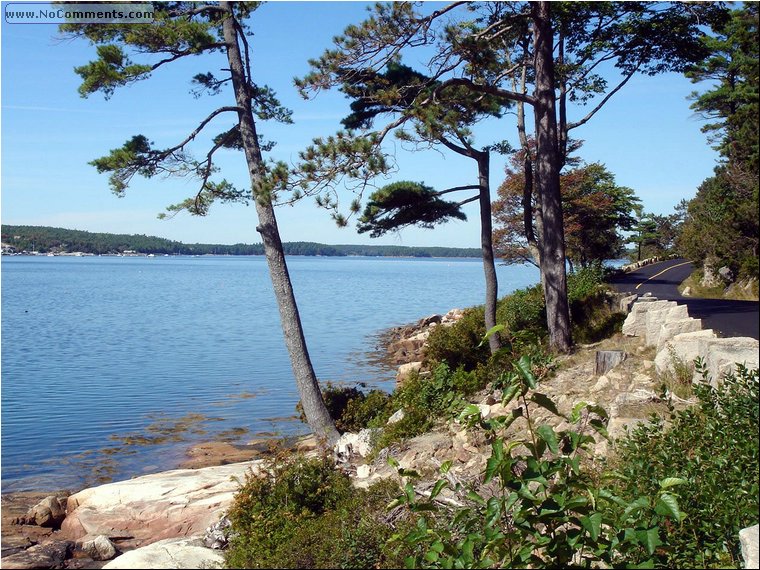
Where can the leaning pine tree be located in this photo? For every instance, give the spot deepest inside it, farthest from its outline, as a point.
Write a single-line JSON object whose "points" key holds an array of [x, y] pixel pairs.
{"points": [[180, 30]]}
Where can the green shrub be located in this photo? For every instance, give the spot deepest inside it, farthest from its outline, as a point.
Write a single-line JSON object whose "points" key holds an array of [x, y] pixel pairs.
{"points": [[524, 310], [539, 506], [584, 283], [714, 446], [351, 409], [415, 422], [425, 399], [305, 514], [594, 319], [458, 344]]}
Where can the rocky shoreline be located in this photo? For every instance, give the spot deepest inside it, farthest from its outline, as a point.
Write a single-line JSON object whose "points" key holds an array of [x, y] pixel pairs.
{"points": [[174, 518], [59, 544]]}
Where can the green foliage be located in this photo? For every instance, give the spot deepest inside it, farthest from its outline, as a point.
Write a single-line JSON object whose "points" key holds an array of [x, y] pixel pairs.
{"points": [[457, 345], [403, 204], [714, 447], [305, 514], [426, 399], [523, 310], [722, 219], [543, 508], [679, 378], [731, 104], [180, 30], [592, 314], [353, 410], [416, 421], [523, 315], [722, 223], [655, 235]]}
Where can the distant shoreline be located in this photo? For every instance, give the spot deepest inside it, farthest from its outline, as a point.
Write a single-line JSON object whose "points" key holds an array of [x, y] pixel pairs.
{"points": [[44, 240]]}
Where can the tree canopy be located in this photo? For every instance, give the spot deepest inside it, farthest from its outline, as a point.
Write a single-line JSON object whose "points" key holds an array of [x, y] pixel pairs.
{"points": [[403, 204], [721, 221], [596, 213]]}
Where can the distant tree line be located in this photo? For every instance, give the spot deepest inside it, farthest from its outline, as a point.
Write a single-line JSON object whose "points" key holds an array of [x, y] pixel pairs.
{"points": [[60, 240]]}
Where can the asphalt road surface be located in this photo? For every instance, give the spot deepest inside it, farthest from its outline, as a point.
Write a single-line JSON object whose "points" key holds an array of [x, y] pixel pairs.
{"points": [[727, 318]]}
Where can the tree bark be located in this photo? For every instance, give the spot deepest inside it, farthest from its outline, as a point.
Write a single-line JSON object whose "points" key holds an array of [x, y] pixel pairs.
{"points": [[547, 182], [532, 232], [308, 388], [527, 203], [486, 246]]}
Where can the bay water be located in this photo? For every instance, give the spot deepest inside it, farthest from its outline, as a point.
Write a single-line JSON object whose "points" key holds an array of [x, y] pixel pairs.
{"points": [[113, 366]]}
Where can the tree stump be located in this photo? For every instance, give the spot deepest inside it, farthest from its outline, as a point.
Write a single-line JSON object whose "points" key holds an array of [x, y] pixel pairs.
{"points": [[608, 359]]}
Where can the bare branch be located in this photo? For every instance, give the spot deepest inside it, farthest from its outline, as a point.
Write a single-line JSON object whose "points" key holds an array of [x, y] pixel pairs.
{"points": [[180, 54], [459, 189], [200, 127], [488, 89], [456, 148], [593, 112], [473, 199], [196, 11]]}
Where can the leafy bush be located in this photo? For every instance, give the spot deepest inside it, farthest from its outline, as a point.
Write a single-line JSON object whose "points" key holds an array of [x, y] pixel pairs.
{"points": [[538, 506], [584, 283], [352, 409], [714, 446], [458, 344], [441, 395], [523, 310], [305, 514], [523, 315]]}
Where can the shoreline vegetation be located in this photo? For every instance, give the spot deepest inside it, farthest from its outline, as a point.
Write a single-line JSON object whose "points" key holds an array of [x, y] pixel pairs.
{"points": [[44, 240], [638, 503]]}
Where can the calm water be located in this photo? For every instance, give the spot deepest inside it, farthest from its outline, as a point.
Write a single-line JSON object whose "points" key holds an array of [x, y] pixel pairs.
{"points": [[112, 367]]}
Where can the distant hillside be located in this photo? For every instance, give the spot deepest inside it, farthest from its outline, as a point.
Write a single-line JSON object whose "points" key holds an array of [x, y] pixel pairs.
{"points": [[45, 239]]}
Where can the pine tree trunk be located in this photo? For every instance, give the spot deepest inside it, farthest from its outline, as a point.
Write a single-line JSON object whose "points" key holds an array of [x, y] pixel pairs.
{"points": [[547, 183], [486, 246], [308, 388]]}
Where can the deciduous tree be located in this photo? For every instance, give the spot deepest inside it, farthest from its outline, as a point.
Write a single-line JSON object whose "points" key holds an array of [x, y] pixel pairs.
{"points": [[595, 213]]}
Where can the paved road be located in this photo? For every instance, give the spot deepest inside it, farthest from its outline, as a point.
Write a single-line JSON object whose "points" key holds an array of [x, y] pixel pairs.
{"points": [[726, 318]]}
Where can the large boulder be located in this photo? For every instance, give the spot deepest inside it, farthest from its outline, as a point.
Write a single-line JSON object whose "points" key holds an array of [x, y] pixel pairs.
{"points": [[178, 503], [49, 555], [99, 548], [671, 328], [351, 444], [170, 553], [406, 370], [684, 347], [722, 354], [710, 277], [726, 274], [626, 303], [49, 512], [656, 318], [749, 538], [635, 323]]}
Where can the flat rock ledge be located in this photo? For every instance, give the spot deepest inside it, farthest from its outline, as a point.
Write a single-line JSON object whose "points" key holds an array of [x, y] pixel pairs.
{"points": [[174, 504], [170, 553]]}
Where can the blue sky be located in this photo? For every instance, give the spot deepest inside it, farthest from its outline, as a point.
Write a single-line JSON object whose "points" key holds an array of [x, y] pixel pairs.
{"points": [[646, 135]]}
